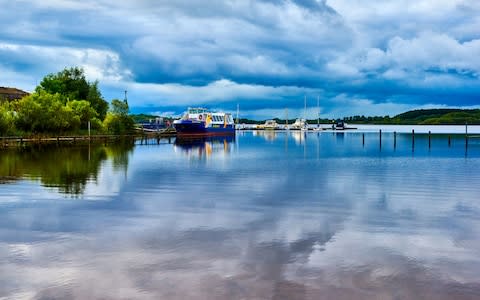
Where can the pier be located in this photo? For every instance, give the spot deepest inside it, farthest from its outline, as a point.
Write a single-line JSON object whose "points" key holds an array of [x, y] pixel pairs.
{"points": [[19, 141]]}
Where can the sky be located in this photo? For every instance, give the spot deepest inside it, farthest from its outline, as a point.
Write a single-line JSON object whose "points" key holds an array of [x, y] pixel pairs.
{"points": [[353, 57]]}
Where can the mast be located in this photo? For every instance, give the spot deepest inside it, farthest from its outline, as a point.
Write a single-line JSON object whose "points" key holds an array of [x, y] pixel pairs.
{"points": [[318, 111], [286, 117], [305, 109], [238, 109]]}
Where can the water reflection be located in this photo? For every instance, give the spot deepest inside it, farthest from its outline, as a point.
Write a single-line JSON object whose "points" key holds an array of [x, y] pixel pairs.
{"points": [[338, 221], [67, 169], [298, 136], [205, 147]]}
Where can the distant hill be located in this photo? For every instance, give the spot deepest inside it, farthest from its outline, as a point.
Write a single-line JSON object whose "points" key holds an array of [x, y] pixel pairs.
{"points": [[424, 117]]}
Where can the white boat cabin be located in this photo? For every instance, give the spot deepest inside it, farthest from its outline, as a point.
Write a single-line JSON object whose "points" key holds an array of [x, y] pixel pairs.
{"points": [[203, 115]]}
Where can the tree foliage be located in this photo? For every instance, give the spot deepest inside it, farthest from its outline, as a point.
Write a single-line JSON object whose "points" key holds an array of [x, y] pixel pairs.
{"points": [[7, 119], [424, 117], [43, 112], [72, 85], [117, 120]]}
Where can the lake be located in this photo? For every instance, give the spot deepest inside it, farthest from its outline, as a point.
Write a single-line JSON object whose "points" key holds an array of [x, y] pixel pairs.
{"points": [[264, 215]]}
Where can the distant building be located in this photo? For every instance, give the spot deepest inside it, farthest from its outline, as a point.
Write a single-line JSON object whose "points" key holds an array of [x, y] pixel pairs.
{"points": [[9, 94]]}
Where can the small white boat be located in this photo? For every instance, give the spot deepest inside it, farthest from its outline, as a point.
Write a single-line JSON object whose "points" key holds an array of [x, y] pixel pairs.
{"points": [[270, 125], [300, 124]]}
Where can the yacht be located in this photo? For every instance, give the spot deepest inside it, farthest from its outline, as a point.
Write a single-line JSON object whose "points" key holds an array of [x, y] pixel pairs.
{"points": [[270, 125], [300, 124]]}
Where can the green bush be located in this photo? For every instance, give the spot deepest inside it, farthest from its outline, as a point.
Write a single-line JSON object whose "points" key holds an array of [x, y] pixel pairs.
{"points": [[118, 124], [7, 119]]}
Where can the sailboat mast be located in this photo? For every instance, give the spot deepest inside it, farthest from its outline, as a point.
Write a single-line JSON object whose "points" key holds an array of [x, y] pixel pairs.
{"points": [[238, 109], [305, 109], [286, 117], [318, 110]]}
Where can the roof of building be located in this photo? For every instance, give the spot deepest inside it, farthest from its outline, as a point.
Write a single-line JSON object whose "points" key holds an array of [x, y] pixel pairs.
{"points": [[11, 91]]}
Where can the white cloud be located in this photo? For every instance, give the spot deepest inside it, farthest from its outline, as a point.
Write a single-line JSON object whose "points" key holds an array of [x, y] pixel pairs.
{"points": [[98, 64]]}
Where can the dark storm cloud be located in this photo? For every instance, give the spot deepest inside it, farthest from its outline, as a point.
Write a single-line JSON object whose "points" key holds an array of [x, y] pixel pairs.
{"points": [[410, 53]]}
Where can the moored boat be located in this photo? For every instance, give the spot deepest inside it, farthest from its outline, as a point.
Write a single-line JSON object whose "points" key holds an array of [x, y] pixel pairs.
{"points": [[270, 125], [300, 124], [201, 122]]}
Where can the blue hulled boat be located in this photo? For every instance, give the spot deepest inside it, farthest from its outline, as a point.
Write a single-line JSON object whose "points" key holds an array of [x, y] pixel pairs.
{"points": [[201, 122]]}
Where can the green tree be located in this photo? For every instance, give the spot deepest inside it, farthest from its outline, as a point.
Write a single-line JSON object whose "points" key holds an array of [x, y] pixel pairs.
{"points": [[117, 120], [85, 112], [96, 100], [72, 85], [43, 112], [120, 107], [7, 119]]}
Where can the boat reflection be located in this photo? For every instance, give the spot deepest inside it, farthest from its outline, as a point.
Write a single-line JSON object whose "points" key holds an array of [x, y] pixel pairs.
{"points": [[268, 135], [205, 147], [299, 137]]}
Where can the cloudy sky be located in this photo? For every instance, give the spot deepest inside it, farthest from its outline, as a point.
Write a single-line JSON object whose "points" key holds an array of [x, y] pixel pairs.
{"points": [[363, 57]]}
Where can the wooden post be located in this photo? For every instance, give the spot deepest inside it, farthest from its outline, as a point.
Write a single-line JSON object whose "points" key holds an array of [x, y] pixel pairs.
{"points": [[466, 135], [449, 141], [380, 136], [413, 139], [363, 139], [429, 139], [394, 140]]}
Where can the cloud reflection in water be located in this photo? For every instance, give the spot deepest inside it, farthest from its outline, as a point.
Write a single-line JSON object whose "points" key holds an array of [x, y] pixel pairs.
{"points": [[266, 223]]}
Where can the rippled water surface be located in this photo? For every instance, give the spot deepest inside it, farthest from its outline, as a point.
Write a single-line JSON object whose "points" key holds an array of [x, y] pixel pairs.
{"points": [[267, 215]]}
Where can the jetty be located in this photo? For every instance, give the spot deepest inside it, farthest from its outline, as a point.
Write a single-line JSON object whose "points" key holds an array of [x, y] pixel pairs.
{"points": [[19, 141]]}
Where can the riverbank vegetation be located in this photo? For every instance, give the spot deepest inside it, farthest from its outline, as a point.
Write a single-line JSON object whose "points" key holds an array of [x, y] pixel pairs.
{"points": [[424, 117], [413, 117], [64, 103]]}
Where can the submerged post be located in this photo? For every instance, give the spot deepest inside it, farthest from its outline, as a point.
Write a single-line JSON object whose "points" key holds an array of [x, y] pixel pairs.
{"points": [[449, 141], [394, 140], [413, 139], [380, 136], [363, 139], [466, 135], [429, 139]]}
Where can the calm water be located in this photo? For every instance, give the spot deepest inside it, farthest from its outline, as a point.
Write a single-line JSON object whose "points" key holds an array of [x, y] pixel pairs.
{"points": [[263, 216]]}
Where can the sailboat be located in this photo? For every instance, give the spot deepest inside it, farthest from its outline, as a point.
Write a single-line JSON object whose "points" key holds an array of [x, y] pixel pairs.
{"points": [[305, 124], [318, 115], [301, 124]]}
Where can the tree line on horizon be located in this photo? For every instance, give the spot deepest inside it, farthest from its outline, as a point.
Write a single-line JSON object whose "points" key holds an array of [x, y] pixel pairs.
{"points": [[442, 116], [63, 103]]}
